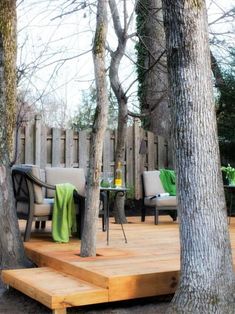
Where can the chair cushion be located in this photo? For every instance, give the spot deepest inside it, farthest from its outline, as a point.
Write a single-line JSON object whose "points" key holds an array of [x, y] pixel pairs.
{"points": [[169, 201], [152, 183], [44, 209], [38, 191], [75, 176]]}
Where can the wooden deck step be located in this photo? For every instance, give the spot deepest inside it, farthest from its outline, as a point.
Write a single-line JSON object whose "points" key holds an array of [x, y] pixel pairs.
{"points": [[148, 265], [53, 288], [126, 277]]}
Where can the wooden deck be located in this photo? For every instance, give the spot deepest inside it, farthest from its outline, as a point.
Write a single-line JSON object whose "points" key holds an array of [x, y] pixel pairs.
{"points": [[148, 265]]}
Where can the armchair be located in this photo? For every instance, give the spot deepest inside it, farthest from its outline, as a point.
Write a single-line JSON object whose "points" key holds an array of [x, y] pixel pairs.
{"points": [[34, 191], [152, 186], [35, 198]]}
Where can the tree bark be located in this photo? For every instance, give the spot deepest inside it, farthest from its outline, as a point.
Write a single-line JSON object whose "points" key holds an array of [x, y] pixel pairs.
{"points": [[152, 69], [116, 57], [8, 30], [207, 279], [88, 244], [11, 246], [119, 202]]}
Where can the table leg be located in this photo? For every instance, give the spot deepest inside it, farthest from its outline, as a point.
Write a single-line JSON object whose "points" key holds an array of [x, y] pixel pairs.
{"points": [[107, 218], [123, 231]]}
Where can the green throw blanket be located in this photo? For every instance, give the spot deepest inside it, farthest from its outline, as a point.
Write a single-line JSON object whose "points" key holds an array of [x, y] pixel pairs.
{"points": [[64, 216], [168, 180]]}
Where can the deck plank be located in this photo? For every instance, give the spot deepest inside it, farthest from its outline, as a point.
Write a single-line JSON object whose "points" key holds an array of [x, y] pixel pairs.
{"points": [[53, 288], [148, 265]]}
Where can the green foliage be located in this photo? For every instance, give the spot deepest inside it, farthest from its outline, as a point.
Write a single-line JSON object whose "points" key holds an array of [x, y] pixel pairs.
{"points": [[226, 116], [227, 91], [130, 194], [229, 173], [105, 184], [84, 117]]}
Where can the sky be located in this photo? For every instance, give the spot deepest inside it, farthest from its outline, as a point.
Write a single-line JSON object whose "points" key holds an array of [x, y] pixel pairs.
{"points": [[55, 48], [47, 41], [217, 25], [47, 37]]}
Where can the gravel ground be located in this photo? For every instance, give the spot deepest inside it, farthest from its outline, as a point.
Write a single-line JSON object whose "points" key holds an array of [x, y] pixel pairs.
{"points": [[14, 302]]}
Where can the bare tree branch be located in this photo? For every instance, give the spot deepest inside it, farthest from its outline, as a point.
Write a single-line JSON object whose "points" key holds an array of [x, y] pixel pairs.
{"points": [[116, 19], [226, 14], [147, 70], [147, 114]]}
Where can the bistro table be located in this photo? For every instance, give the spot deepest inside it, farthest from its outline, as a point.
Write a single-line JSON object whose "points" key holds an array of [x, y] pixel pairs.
{"points": [[231, 192], [116, 191]]}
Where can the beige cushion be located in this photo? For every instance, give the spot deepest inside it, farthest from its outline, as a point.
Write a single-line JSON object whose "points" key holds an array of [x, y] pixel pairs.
{"points": [[43, 178], [152, 183], [44, 209], [75, 176], [169, 201], [38, 191]]}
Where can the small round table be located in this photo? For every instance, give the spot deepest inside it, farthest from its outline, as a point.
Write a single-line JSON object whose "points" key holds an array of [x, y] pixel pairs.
{"points": [[116, 191]]}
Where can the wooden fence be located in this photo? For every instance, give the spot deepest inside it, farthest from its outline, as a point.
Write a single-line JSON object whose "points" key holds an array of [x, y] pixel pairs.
{"points": [[53, 147]]}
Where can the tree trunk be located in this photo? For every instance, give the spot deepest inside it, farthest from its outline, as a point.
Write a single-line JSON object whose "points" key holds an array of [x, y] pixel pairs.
{"points": [[152, 70], [88, 245], [8, 30], [116, 57], [11, 246], [207, 279], [119, 202]]}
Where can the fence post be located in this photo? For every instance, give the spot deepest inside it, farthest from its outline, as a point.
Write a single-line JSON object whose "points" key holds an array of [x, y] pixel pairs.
{"points": [[151, 151], [107, 157], [83, 150], [162, 153], [43, 154], [136, 157], [25, 145], [170, 156], [130, 156], [69, 148], [38, 127], [56, 134]]}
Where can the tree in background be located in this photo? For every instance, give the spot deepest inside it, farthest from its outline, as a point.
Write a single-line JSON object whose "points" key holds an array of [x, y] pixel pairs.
{"points": [[226, 116], [11, 246], [207, 282], [116, 57], [151, 64], [84, 117], [151, 67]]}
